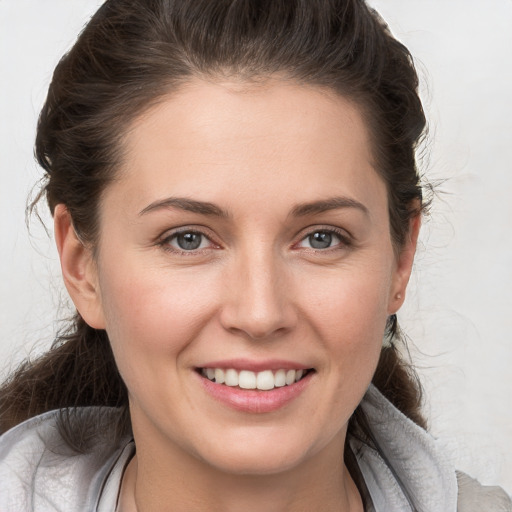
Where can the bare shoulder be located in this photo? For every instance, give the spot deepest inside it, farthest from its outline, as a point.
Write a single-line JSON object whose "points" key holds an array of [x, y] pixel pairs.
{"points": [[475, 497]]}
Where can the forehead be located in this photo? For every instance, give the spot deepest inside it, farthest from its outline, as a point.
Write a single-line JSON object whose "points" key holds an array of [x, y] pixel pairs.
{"points": [[299, 142]]}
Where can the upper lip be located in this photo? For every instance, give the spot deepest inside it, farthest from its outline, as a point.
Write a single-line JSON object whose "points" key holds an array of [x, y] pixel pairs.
{"points": [[256, 366]]}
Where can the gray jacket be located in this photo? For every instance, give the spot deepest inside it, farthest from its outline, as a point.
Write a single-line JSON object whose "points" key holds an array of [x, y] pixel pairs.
{"points": [[408, 473]]}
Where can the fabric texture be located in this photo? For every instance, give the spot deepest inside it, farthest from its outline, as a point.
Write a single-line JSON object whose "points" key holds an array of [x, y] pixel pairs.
{"points": [[474, 497], [406, 472], [40, 473]]}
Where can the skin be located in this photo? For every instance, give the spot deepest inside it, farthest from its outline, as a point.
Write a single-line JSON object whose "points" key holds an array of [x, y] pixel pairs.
{"points": [[255, 289]]}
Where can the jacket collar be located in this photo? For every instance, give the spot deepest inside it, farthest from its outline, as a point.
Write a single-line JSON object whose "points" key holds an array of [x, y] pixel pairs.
{"points": [[408, 471]]}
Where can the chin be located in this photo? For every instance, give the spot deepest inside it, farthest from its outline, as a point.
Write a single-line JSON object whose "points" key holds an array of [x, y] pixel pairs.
{"points": [[258, 457], [259, 464]]}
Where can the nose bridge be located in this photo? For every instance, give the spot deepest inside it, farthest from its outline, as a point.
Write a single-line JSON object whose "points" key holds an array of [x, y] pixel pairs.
{"points": [[258, 301]]}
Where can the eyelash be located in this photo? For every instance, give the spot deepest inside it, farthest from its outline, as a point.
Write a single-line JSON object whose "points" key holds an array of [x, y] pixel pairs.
{"points": [[344, 239], [165, 242]]}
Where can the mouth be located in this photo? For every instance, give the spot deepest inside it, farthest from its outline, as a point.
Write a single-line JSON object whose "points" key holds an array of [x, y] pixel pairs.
{"points": [[265, 380], [255, 387]]}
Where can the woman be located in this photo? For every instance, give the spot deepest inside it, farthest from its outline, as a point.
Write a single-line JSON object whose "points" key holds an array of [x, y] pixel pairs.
{"points": [[236, 209]]}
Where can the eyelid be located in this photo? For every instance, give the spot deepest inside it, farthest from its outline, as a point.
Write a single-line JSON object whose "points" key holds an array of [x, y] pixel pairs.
{"points": [[164, 239], [344, 236]]}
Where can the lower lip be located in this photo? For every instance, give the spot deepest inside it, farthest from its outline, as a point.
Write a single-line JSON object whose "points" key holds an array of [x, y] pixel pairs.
{"points": [[254, 401]]}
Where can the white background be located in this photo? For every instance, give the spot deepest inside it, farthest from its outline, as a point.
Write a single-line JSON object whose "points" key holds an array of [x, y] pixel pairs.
{"points": [[458, 312]]}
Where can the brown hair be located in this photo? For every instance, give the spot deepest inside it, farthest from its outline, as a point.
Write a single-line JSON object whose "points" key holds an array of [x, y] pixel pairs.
{"points": [[132, 53]]}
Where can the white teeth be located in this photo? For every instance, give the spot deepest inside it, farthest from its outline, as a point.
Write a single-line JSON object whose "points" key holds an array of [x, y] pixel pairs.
{"points": [[219, 376], [290, 377], [231, 378], [245, 379], [265, 380], [280, 378]]}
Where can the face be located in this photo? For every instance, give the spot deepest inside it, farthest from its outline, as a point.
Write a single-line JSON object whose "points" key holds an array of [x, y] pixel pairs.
{"points": [[246, 240]]}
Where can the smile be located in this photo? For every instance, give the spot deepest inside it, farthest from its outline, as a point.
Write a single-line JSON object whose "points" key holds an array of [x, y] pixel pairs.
{"points": [[245, 379]]}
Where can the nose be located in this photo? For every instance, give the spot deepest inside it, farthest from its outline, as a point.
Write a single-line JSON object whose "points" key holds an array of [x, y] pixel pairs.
{"points": [[258, 297]]}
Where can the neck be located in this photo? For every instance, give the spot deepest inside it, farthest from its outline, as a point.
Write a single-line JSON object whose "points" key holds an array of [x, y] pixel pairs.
{"points": [[320, 483]]}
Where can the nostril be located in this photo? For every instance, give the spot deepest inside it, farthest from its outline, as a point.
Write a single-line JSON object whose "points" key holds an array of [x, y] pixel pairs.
{"points": [[257, 306], [258, 327]]}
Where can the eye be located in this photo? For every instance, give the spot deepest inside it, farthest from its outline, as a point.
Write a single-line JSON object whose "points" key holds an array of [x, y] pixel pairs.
{"points": [[323, 239], [186, 241]]}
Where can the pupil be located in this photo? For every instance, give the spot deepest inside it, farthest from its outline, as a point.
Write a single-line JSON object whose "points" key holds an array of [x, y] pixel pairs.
{"points": [[189, 241], [320, 240]]}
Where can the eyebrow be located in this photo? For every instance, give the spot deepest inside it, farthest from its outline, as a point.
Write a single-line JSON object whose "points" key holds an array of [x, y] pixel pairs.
{"points": [[332, 203], [210, 209], [189, 205]]}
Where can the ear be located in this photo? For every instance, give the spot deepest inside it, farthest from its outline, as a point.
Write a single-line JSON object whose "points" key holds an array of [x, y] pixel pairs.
{"points": [[78, 269], [404, 264]]}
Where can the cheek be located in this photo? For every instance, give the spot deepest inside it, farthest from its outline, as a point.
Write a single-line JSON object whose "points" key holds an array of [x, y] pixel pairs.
{"points": [[152, 313], [349, 310], [357, 294]]}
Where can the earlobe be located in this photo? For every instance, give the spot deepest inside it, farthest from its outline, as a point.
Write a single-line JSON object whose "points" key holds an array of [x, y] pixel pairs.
{"points": [[404, 265], [78, 269]]}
